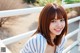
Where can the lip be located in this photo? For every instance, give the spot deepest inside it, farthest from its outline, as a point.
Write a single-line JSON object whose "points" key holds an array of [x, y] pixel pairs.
{"points": [[57, 30]]}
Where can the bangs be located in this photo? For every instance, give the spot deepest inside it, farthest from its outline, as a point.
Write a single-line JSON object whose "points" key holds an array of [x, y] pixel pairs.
{"points": [[58, 14]]}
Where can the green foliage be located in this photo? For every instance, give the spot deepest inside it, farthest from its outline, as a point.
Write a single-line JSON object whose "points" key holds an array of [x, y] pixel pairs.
{"points": [[30, 1], [44, 2], [72, 1]]}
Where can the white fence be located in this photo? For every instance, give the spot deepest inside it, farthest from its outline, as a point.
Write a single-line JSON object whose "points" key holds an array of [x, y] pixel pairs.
{"points": [[16, 12]]}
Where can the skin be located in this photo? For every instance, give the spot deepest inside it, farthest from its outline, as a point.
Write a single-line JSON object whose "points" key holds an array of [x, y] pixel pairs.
{"points": [[56, 27]]}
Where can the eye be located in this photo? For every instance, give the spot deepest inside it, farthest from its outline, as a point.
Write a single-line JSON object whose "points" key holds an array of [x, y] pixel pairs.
{"points": [[62, 20], [53, 21]]}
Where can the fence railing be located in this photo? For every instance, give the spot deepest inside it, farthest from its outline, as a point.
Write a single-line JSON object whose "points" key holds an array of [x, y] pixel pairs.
{"points": [[16, 12], [3, 46], [27, 34]]}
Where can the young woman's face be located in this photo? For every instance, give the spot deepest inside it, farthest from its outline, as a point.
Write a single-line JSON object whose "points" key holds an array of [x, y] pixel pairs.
{"points": [[57, 26]]}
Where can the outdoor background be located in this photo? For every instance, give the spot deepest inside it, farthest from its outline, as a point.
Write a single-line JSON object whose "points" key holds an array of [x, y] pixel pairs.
{"points": [[14, 25]]}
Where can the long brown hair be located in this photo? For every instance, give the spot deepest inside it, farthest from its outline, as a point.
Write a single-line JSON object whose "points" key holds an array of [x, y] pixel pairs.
{"points": [[47, 14]]}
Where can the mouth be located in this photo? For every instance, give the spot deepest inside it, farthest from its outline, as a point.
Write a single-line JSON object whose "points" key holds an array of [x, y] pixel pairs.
{"points": [[57, 30]]}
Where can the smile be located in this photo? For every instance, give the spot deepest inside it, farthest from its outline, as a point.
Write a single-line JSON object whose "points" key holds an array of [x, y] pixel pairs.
{"points": [[57, 30]]}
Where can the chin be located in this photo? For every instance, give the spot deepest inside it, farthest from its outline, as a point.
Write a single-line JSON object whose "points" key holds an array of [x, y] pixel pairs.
{"points": [[58, 33]]}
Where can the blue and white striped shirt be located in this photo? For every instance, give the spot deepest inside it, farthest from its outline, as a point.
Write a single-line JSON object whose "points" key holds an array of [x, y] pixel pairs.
{"points": [[37, 44]]}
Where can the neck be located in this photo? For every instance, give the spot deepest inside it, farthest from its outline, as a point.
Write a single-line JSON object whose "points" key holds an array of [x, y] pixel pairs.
{"points": [[52, 36]]}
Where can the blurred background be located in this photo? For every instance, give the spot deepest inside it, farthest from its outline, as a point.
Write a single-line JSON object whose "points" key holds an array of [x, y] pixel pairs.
{"points": [[14, 25]]}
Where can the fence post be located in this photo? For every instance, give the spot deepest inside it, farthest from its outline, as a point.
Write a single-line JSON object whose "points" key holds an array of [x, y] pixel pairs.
{"points": [[76, 49], [78, 38]]}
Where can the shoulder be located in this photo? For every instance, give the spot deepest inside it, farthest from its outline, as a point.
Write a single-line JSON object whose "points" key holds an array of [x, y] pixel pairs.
{"points": [[33, 44], [60, 48], [63, 42], [36, 37], [37, 40]]}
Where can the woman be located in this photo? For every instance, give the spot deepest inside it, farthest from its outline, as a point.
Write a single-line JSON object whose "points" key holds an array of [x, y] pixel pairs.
{"points": [[50, 34]]}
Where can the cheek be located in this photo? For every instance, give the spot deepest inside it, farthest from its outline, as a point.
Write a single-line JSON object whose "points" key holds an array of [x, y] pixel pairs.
{"points": [[63, 24], [51, 27]]}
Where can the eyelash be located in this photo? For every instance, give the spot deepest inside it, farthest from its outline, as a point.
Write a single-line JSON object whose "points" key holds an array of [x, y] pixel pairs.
{"points": [[55, 21], [62, 20]]}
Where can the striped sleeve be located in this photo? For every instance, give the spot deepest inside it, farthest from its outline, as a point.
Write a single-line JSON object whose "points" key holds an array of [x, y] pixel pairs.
{"points": [[29, 47], [41, 42], [35, 45]]}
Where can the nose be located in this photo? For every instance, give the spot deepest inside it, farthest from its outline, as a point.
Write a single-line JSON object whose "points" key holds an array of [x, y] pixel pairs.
{"points": [[59, 24]]}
